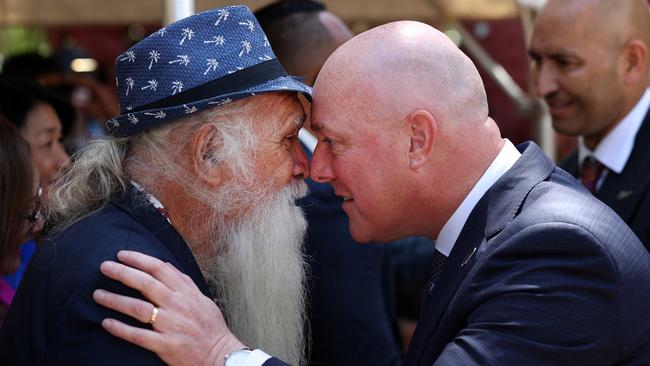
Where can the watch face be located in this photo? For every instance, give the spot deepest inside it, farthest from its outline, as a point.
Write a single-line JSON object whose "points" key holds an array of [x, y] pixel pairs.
{"points": [[237, 358]]}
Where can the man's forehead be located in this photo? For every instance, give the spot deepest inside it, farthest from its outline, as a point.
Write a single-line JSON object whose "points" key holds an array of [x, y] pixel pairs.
{"points": [[564, 44], [291, 110], [282, 102], [330, 117]]}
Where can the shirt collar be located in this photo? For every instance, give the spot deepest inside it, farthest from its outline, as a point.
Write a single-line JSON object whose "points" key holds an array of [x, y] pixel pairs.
{"points": [[615, 149], [500, 165], [153, 201], [308, 139]]}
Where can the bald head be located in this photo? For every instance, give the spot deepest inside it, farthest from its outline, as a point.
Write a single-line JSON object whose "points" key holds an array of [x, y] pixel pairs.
{"points": [[403, 66], [395, 108], [615, 21]]}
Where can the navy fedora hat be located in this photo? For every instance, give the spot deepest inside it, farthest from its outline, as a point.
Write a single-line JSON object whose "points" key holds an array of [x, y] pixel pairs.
{"points": [[202, 61]]}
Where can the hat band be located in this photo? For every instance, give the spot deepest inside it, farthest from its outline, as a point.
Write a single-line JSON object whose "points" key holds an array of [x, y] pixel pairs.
{"points": [[231, 83]]}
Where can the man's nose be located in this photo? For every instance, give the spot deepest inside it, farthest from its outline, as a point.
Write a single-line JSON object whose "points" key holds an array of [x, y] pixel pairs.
{"points": [[300, 162], [321, 164], [545, 80], [60, 156]]}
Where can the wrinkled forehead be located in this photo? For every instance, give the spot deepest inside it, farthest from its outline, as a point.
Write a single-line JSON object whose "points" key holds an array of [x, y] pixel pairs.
{"points": [[279, 110]]}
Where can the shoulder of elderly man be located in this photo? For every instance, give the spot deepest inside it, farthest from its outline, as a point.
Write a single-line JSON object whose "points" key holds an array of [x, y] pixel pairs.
{"points": [[56, 312]]}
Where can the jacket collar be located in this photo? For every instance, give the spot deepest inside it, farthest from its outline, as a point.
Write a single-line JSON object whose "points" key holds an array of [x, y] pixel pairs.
{"points": [[136, 205], [508, 194], [623, 192]]}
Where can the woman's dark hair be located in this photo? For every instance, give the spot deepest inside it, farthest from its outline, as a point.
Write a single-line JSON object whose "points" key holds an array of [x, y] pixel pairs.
{"points": [[20, 96], [16, 182]]}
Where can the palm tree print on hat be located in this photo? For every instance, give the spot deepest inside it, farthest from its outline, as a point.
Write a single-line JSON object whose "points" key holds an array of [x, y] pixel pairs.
{"points": [[187, 34], [223, 15], [217, 40], [153, 57], [151, 84], [189, 110], [183, 60], [129, 84], [157, 115], [177, 86], [212, 65], [129, 56], [246, 48], [248, 24]]}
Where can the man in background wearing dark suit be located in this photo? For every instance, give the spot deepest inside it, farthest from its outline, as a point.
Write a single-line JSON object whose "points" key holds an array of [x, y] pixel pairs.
{"points": [[590, 64], [344, 276], [530, 268]]}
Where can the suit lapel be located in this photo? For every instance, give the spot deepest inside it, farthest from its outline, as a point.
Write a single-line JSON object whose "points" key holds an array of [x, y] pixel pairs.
{"points": [[425, 346], [623, 192]]}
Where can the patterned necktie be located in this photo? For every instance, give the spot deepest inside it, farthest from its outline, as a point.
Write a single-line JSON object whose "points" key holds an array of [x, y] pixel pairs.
{"points": [[590, 172], [439, 260]]}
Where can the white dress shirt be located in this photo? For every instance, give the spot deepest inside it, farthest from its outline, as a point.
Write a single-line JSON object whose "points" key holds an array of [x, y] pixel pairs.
{"points": [[308, 139], [500, 165], [255, 358], [615, 149]]}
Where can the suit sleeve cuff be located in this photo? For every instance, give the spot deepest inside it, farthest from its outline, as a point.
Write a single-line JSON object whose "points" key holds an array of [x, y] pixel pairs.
{"points": [[256, 358]]}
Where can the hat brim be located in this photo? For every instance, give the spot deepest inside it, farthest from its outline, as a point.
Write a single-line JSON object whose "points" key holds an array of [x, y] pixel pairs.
{"points": [[131, 123]]}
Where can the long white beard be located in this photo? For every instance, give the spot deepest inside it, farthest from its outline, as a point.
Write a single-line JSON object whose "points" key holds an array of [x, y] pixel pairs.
{"points": [[260, 278]]}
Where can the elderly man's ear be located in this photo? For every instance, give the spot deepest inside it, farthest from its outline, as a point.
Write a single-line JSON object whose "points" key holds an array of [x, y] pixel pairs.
{"points": [[423, 129], [203, 145]]}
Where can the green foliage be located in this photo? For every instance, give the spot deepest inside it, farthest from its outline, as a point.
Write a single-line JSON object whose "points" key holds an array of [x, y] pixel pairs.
{"points": [[17, 40]]}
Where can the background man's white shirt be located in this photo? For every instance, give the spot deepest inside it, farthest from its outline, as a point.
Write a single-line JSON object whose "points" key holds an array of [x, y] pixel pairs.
{"points": [[615, 149]]}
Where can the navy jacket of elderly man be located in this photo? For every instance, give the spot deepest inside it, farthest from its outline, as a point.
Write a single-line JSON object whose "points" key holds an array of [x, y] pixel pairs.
{"points": [[204, 61]]}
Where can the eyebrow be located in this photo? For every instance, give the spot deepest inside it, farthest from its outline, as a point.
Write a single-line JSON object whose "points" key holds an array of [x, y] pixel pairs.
{"points": [[49, 131], [316, 127], [532, 53], [296, 124], [562, 52]]}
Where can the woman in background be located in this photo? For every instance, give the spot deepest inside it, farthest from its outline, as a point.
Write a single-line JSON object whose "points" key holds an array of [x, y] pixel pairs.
{"points": [[39, 116], [20, 211]]}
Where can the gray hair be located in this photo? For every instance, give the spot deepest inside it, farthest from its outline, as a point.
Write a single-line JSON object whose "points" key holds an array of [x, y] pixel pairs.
{"points": [[99, 173]]}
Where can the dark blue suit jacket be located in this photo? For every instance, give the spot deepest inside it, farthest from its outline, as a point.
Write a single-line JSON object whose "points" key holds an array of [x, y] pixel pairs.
{"points": [[541, 274], [627, 193], [53, 319], [351, 313]]}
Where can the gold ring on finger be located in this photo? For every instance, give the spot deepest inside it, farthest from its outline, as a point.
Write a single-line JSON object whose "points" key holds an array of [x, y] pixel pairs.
{"points": [[154, 315]]}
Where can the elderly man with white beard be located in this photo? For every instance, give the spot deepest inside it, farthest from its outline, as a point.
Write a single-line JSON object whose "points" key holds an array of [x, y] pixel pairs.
{"points": [[202, 171]]}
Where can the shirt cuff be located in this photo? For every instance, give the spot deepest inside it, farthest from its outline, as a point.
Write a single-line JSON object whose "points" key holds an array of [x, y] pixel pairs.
{"points": [[256, 358]]}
